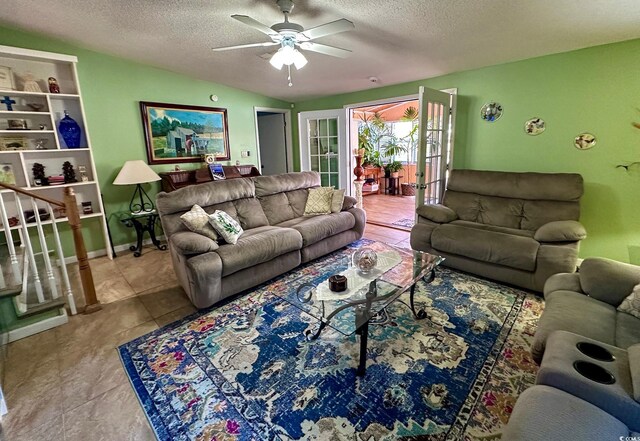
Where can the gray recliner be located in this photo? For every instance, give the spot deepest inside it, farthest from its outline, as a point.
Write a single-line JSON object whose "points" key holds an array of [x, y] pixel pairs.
{"points": [[518, 228]]}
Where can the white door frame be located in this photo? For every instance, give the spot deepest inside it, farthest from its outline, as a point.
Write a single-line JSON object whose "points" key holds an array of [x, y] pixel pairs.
{"points": [[344, 157], [287, 134]]}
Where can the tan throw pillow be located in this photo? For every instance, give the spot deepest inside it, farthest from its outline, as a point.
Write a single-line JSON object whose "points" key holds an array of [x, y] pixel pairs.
{"points": [[631, 305], [337, 200], [226, 226], [319, 201], [197, 220]]}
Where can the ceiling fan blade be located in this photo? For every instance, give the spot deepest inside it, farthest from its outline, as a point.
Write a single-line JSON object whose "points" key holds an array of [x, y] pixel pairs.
{"points": [[325, 49], [255, 24], [241, 46], [334, 27]]}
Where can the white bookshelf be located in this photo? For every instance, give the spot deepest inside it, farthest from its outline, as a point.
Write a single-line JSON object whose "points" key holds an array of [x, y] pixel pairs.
{"points": [[42, 65]]}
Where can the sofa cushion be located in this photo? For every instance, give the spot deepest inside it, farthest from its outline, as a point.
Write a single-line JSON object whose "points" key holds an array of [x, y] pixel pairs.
{"points": [[506, 230], [608, 280], [256, 246], [314, 229], [487, 246], [574, 312], [537, 213], [249, 213], [337, 201], [627, 330]]}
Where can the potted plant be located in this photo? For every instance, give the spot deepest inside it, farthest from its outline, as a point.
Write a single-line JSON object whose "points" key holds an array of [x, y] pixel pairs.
{"points": [[393, 168]]}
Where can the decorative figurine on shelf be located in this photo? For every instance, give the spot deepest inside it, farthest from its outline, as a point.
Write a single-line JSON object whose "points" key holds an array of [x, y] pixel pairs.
{"points": [[53, 85], [36, 107], [70, 131], [30, 84], [83, 173], [43, 127], [68, 172], [41, 143], [39, 179]]}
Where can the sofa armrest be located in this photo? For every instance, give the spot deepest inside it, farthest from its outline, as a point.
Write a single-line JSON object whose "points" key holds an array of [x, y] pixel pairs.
{"points": [[437, 213], [348, 202], [562, 282], [560, 231], [188, 243], [608, 280]]}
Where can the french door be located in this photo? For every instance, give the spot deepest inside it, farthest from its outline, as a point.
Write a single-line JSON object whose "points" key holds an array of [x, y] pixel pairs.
{"points": [[323, 146], [435, 147]]}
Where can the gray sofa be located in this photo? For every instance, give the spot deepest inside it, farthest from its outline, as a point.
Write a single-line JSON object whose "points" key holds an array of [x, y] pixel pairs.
{"points": [[518, 228], [585, 303], [277, 237]]}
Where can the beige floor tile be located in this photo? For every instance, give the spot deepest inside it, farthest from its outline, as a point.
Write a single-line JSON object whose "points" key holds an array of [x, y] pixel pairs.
{"points": [[164, 299], [86, 373], [151, 270], [50, 431], [98, 329], [114, 415], [173, 316]]}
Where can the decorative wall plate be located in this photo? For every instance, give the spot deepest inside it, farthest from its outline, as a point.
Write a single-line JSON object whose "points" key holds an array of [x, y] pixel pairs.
{"points": [[534, 126], [584, 141], [491, 112]]}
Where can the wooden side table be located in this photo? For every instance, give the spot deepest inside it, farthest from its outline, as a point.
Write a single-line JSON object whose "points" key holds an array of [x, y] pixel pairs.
{"points": [[392, 185]]}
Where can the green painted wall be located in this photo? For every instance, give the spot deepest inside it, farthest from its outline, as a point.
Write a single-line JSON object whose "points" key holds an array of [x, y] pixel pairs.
{"points": [[595, 90], [111, 89]]}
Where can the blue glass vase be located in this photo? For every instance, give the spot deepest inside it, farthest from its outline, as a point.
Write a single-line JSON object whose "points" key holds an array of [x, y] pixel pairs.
{"points": [[70, 131]]}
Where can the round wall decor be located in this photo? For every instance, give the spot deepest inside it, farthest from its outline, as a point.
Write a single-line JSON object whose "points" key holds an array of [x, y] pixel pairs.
{"points": [[491, 112], [534, 126], [584, 141]]}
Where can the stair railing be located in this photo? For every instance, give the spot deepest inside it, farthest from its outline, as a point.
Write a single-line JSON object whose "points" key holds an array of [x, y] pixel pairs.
{"points": [[73, 218]]}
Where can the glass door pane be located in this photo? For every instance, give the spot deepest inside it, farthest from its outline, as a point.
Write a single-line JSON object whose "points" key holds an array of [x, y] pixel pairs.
{"points": [[324, 149]]}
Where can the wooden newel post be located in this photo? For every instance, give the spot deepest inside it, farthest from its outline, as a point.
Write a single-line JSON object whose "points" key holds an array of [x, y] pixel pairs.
{"points": [[71, 207]]}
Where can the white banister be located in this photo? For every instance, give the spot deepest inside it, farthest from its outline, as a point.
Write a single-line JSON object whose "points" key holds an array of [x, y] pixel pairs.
{"points": [[63, 266], [29, 250], [45, 251], [15, 269]]}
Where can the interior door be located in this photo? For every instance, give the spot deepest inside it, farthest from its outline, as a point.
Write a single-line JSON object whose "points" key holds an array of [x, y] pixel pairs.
{"points": [[273, 143], [435, 147], [323, 146]]}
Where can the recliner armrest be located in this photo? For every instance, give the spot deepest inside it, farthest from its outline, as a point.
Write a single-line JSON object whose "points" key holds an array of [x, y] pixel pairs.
{"points": [[189, 243], [348, 202], [437, 213], [560, 231]]}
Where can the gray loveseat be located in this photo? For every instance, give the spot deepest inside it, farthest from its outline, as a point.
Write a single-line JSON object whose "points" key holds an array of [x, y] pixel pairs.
{"points": [[585, 303], [518, 228], [277, 237]]}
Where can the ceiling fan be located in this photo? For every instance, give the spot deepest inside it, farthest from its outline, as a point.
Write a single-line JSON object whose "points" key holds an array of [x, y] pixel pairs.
{"points": [[291, 36]]}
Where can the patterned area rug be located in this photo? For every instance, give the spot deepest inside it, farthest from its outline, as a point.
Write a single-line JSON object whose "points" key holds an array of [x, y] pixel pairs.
{"points": [[244, 371], [404, 222]]}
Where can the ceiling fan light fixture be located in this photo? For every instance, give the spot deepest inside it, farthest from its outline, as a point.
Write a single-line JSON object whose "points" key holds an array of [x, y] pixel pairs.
{"points": [[277, 60], [299, 60], [288, 55]]}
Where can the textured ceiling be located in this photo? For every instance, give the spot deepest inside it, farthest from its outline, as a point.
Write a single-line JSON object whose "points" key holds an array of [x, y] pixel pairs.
{"points": [[395, 41]]}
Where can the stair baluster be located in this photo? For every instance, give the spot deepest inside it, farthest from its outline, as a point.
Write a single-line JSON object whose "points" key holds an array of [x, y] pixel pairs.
{"points": [[15, 267], [29, 248], [45, 251], [63, 266]]}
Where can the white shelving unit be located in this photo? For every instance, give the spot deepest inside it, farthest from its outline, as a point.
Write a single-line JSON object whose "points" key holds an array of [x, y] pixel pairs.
{"points": [[50, 110]]}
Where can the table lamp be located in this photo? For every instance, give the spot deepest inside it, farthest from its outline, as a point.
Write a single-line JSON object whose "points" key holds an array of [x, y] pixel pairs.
{"points": [[136, 173]]}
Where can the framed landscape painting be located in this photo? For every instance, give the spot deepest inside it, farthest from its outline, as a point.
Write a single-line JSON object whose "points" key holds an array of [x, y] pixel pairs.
{"points": [[180, 133]]}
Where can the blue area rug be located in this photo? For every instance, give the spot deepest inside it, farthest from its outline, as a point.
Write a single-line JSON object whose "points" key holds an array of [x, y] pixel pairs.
{"points": [[244, 371]]}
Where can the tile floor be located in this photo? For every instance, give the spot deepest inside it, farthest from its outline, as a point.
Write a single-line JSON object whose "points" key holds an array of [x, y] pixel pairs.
{"points": [[68, 383]]}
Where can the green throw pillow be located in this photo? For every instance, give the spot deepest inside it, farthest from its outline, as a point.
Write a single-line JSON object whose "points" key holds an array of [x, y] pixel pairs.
{"points": [[319, 201], [197, 220], [226, 226]]}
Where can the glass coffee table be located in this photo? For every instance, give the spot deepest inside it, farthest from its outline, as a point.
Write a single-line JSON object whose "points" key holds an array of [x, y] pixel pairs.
{"points": [[398, 270]]}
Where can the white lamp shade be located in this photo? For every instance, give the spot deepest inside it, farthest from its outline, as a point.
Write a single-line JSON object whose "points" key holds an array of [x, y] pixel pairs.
{"points": [[288, 55], [135, 172]]}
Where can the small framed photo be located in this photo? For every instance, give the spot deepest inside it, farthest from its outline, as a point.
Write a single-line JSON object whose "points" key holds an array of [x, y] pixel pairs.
{"points": [[14, 143], [6, 78], [6, 174]]}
